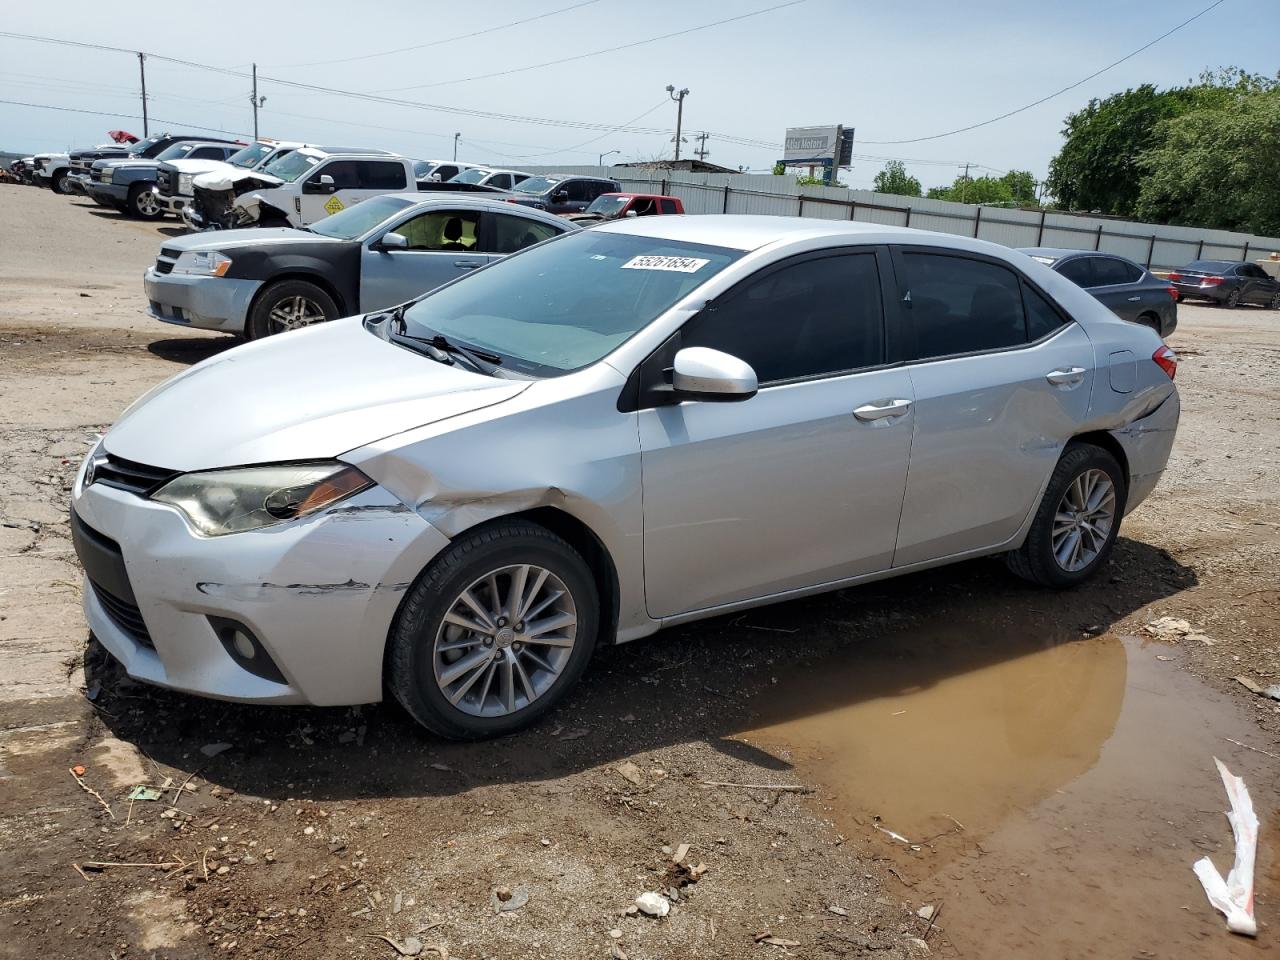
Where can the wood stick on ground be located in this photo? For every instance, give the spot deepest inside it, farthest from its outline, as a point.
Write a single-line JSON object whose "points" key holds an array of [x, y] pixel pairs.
{"points": [[933, 917], [1254, 749], [182, 786], [92, 792], [76, 868], [104, 864], [785, 787]]}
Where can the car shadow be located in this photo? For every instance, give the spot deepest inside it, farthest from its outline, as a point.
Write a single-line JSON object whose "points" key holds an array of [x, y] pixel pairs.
{"points": [[706, 681], [191, 350], [174, 231]]}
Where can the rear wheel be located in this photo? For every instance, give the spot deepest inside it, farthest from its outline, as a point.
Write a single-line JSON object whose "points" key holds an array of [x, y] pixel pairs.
{"points": [[1274, 303], [289, 305], [1233, 299], [495, 632], [1076, 524], [143, 202]]}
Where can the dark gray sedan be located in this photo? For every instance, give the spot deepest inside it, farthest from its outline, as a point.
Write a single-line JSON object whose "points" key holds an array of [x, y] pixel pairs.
{"points": [[1131, 291], [1227, 283]]}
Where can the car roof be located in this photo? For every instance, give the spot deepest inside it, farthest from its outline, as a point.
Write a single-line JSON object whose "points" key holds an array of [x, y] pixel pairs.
{"points": [[340, 150], [469, 201], [1062, 253], [1224, 264], [753, 231]]}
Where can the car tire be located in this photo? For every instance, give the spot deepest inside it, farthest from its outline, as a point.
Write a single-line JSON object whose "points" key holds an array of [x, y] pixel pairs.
{"points": [[289, 305], [1233, 300], [1047, 555], [143, 203], [1274, 303], [60, 182], [417, 669]]}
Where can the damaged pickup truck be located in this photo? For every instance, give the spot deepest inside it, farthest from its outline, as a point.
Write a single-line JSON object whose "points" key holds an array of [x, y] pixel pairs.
{"points": [[296, 190], [175, 179]]}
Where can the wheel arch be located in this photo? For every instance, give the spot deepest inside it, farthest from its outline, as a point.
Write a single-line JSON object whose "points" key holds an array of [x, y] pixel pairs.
{"points": [[1103, 439], [295, 273]]}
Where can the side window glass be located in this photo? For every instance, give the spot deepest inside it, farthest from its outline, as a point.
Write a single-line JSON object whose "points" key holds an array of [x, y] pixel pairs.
{"points": [[806, 319], [344, 173], [1109, 271], [446, 171], [380, 175], [1079, 271], [578, 190], [668, 206], [441, 230], [502, 181], [960, 305], [515, 233], [1042, 318]]}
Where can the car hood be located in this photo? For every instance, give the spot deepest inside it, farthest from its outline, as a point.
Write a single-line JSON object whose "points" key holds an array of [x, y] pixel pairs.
{"points": [[199, 166], [125, 164], [228, 178], [307, 395], [247, 237]]}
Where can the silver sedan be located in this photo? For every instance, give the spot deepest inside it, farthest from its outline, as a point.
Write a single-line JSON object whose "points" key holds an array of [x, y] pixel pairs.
{"points": [[638, 425]]}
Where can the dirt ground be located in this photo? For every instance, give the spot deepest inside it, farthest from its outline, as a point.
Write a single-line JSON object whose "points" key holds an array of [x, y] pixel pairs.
{"points": [[1030, 771]]}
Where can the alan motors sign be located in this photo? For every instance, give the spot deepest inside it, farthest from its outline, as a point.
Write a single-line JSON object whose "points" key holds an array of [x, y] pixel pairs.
{"points": [[817, 144]]}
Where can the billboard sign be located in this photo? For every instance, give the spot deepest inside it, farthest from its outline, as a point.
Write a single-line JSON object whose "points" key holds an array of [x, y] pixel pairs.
{"points": [[813, 144]]}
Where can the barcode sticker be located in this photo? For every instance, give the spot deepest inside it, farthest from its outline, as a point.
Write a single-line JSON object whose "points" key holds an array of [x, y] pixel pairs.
{"points": [[674, 264]]}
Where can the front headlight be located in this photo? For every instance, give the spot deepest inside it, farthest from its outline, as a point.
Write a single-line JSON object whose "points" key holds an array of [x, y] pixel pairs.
{"points": [[219, 502], [202, 263], [107, 174], [184, 182]]}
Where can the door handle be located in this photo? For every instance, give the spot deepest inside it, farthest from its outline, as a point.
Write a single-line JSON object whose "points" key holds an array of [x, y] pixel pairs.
{"points": [[1069, 377], [468, 264], [1134, 299], [882, 409]]}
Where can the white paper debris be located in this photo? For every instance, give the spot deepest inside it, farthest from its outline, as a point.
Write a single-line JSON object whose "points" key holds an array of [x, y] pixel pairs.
{"points": [[1233, 897]]}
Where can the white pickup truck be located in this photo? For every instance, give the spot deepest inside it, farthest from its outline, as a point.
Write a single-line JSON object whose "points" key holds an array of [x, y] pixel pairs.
{"points": [[296, 190], [175, 178]]}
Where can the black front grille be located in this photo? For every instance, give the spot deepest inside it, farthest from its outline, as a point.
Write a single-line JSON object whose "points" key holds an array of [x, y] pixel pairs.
{"points": [[124, 615], [169, 252], [164, 266], [135, 477]]}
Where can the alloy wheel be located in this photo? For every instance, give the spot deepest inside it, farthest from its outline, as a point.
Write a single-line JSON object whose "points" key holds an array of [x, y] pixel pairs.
{"points": [[1275, 301], [293, 313], [147, 203], [1083, 520], [1233, 298], [505, 640]]}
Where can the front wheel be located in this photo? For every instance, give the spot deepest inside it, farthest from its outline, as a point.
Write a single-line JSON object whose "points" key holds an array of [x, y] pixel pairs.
{"points": [[1274, 303], [62, 182], [1076, 524], [495, 632], [289, 305], [143, 202]]}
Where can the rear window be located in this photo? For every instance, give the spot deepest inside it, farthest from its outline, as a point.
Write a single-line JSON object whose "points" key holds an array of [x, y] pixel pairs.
{"points": [[1209, 266]]}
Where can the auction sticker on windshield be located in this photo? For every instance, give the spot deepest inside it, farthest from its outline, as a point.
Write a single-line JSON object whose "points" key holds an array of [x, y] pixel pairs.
{"points": [[675, 264]]}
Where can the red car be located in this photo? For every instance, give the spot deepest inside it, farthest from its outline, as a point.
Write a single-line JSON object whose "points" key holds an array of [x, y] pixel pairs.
{"points": [[613, 206]]}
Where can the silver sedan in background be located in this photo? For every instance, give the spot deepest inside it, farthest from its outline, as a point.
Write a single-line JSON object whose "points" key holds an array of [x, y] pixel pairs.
{"points": [[642, 424]]}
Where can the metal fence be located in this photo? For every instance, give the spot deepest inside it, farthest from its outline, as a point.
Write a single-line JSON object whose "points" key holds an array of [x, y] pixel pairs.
{"points": [[1154, 245]]}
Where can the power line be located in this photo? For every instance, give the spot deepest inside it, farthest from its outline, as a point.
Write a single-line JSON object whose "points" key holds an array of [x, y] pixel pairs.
{"points": [[121, 116], [436, 43], [596, 53], [1098, 73]]}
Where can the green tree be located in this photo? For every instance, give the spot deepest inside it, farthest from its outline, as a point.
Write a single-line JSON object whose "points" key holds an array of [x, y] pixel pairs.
{"points": [[1022, 186], [1097, 168], [1218, 163], [895, 179], [974, 190]]}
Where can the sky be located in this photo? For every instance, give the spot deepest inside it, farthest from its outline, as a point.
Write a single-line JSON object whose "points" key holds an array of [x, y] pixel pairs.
{"points": [[898, 71]]}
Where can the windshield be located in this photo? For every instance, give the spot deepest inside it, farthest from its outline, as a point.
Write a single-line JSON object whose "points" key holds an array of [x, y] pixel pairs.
{"points": [[142, 146], [607, 205], [474, 175], [537, 185], [251, 155], [175, 152], [358, 220], [290, 168], [564, 304], [422, 168]]}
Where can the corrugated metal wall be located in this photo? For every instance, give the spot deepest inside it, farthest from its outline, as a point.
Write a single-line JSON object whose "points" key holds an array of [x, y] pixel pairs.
{"points": [[762, 193]]}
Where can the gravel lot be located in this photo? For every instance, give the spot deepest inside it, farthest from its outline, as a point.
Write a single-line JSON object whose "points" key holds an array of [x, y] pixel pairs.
{"points": [[1047, 759]]}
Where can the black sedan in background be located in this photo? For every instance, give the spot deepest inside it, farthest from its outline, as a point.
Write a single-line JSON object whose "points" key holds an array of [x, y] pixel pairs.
{"points": [[1227, 283], [1132, 292]]}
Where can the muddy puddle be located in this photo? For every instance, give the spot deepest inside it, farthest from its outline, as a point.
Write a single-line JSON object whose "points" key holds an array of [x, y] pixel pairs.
{"points": [[1049, 790]]}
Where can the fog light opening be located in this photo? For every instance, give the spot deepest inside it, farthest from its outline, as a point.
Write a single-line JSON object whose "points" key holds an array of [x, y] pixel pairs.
{"points": [[246, 649], [244, 646]]}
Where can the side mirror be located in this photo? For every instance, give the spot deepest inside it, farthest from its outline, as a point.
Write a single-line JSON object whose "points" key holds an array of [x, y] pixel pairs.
{"points": [[560, 197], [324, 184], [393, 241], [700, 373], [631, 213]]}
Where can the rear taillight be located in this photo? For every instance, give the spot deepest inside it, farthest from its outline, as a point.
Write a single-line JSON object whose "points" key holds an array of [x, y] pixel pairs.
{"points": [[1167, 360], [1173, 292], [1211, 281], [1175, 278]]}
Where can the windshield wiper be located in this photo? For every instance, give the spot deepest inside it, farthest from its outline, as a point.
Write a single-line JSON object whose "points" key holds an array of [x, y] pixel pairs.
{"points": [[441, 348]]}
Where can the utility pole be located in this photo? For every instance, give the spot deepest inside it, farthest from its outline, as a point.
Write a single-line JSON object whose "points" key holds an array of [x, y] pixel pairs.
{"points": [[142, 69], [256, 100], [702, 151], [964, 185], [678, 96], [455, 145]]}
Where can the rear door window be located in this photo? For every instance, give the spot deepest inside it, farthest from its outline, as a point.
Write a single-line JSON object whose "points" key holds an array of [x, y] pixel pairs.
{"points": [[578, 190], [814, 317], [668, 206], [208, 153], [1079, 270], [1042, 318], [345, 173], [1108, 271], [381, 175], [960, 305]]}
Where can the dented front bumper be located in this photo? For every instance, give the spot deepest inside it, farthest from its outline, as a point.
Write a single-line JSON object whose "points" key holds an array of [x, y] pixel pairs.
{"points": [[318, 594]]}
